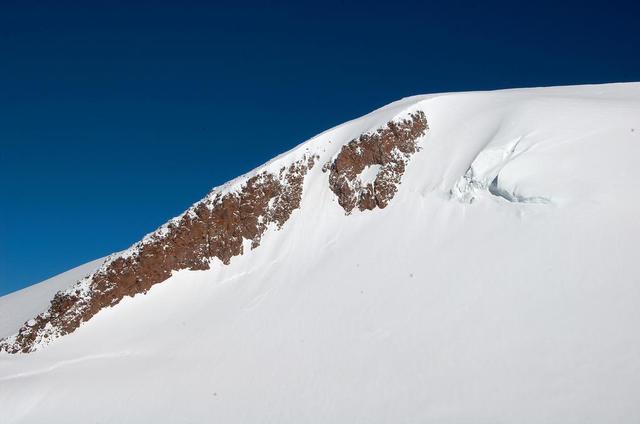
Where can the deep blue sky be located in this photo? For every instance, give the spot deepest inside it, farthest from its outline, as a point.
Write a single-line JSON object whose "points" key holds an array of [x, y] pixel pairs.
{"points": [[116, 116]]}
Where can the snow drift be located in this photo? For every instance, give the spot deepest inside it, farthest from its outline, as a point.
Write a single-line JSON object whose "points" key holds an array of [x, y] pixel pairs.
{"points": [[478, 268]]}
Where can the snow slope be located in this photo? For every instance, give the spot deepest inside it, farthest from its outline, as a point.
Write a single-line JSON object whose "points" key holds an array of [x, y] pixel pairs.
{"points": [[20, 306], [499, 286]]}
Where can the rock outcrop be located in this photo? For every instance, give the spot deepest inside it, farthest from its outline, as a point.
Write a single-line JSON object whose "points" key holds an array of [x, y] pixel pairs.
{"points": [[385, 152], [213, 228]]}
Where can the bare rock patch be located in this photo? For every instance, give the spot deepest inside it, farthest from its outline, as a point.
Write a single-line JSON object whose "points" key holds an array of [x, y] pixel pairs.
{"points": [[367, 171], [213, 228]]}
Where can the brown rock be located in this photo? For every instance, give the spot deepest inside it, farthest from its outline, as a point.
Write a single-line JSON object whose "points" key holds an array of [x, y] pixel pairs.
{"points": [[390, 147], [212, 228]]}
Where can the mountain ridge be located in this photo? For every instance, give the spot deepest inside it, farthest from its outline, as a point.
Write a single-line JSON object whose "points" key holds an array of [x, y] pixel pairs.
{"points": [[462, 300], [218, 225]]}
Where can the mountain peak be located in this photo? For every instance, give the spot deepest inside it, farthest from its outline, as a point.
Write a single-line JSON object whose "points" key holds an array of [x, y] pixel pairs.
{"points": [[439, 259]]}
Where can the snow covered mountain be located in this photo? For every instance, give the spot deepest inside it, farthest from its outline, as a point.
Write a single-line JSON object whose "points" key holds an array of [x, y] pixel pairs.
{"points": [[449, 258]]}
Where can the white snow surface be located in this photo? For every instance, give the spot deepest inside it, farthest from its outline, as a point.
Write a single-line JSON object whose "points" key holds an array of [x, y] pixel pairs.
{"points": [[500, 285], [369, 174]]}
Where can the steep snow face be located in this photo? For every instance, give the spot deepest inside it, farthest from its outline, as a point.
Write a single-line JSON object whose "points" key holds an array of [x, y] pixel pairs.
{"points": [[499, 284]]}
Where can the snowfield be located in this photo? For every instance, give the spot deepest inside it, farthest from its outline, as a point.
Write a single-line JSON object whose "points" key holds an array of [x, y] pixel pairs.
{"points": [[500, 285]]}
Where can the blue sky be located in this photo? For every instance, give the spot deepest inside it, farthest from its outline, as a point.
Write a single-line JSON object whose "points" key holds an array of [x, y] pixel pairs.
{"points": [[115, 116]]}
